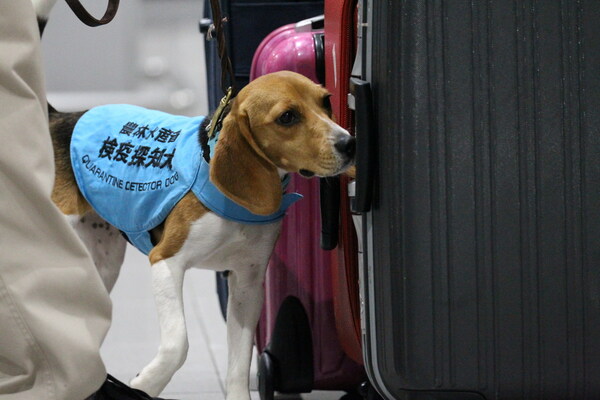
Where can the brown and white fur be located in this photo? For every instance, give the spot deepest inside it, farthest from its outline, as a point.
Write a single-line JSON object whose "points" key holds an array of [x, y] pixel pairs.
{"points": [[279, 123]]}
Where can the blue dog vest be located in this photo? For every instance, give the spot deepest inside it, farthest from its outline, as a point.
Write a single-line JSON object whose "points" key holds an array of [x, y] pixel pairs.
{"points": [[133, 165]]}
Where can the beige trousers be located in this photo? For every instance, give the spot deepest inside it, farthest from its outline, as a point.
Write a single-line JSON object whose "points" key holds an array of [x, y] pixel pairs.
{"points": [[54, 310]]}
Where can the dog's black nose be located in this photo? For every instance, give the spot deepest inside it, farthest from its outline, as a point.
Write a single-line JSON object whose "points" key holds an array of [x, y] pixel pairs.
{"points": [[346, 145]]}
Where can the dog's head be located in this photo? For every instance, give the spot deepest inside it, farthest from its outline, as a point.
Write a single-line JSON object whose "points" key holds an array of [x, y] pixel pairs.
{"points": [[280, 121]]}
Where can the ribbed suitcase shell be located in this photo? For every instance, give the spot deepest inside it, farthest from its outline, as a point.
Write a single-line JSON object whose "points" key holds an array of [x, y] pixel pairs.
{"points": [[287, 48], [483, 269], [299, 268]]}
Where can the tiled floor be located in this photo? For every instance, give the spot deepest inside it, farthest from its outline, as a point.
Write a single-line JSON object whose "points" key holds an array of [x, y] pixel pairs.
{"points": [[133, 338]]}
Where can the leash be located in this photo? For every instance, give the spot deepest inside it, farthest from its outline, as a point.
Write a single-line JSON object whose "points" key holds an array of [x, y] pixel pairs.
{"points": [[227, 75], [216, 30], [89, 19]]}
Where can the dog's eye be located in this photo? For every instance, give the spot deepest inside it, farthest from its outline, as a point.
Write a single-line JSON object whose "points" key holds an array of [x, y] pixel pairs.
{"points": [[288, 118], [327, 103]]}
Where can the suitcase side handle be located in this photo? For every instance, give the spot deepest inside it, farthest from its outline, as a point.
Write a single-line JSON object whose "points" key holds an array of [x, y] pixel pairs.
{"points": [[330, 212], [310, 24], [361, 100]]}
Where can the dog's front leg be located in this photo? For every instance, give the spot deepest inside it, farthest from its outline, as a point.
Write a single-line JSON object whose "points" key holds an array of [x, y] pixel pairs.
{"points": [[246, 297], [167, 285]]}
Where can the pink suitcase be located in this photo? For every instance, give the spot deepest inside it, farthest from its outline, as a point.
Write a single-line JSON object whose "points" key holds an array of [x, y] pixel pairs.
{"points": [[298, 334]]}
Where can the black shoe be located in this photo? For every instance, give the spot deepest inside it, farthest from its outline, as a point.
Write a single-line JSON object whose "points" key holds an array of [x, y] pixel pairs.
{"points": [[113, 389]]}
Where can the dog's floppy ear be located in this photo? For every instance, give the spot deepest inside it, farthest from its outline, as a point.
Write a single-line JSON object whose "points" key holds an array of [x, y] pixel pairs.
{"points": [[241, 171]]}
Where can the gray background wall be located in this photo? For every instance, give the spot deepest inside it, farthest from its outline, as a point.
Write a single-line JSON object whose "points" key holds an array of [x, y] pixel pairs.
{"points": [[150, 55]]}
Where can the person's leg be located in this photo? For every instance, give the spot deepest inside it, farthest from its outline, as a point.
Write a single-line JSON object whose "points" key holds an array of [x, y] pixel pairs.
{"points": [[54, 309]]}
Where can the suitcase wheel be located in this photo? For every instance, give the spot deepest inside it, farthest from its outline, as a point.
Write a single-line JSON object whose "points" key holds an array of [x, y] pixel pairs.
{"points": [[368, 392], [266, 376]]}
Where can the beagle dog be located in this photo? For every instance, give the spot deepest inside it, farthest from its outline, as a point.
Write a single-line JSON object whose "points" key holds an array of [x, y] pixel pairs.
{"points": [[278, 124]]}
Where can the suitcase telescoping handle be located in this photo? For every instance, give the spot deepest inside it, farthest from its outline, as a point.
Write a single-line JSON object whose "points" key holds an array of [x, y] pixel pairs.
{"points": [[361, 101]]}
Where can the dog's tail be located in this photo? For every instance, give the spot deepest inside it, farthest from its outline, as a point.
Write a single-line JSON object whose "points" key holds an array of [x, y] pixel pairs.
{"points": [[42, 11]]}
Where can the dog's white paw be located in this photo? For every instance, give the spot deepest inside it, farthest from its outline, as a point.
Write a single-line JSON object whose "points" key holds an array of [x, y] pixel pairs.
{"points": [[237, 392], [145, 382], [239, 396]]}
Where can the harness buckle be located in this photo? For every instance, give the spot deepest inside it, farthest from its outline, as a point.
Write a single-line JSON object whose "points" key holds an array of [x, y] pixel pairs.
{"points": [[217, 118]]}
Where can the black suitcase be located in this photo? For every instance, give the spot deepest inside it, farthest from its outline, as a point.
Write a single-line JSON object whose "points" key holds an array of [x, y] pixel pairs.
{"points": [[481, 274]]}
